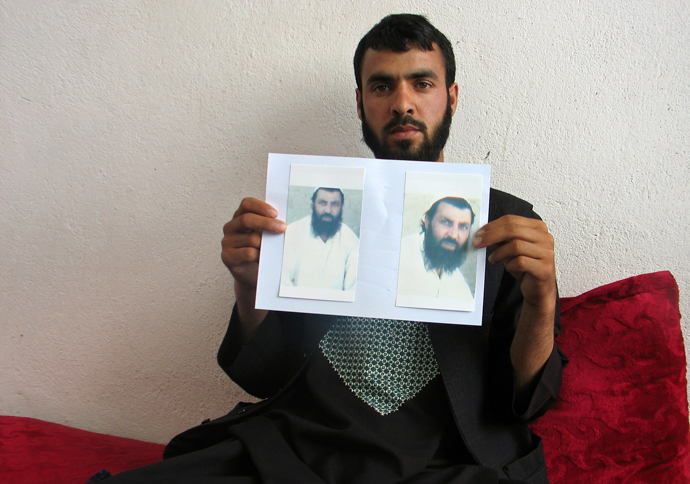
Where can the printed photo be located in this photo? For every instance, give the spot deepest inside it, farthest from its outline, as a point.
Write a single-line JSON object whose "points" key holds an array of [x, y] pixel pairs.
{"points": [[321, 249], [438, 263]]}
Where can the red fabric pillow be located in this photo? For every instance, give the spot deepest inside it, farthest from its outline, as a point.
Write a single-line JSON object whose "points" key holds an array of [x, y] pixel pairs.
{"points": [[37, 452], [622, 415]]}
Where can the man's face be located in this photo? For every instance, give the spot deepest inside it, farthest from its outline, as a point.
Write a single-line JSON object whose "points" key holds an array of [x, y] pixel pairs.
{"points": [[404, 104], [328, 204], [450, 226], [327, 212], [446, 237]]}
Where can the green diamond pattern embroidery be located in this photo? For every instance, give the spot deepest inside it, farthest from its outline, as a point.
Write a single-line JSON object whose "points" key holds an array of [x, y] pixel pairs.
{"points": [[384, 362]]}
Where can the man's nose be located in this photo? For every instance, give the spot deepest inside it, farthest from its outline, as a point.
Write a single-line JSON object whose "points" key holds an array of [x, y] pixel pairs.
{"points": [[403, 101], [455, 233]]}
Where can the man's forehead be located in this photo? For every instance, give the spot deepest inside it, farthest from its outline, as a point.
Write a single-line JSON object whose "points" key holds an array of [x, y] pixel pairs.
{"points": [[386, 62], [327, 195], [452, 212]]}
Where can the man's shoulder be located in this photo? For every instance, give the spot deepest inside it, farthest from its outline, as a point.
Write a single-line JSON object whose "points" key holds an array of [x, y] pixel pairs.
{"points": [[413, 240], [300, 223], [502, 203], [298, 231], [348, 235], [410, 245]]}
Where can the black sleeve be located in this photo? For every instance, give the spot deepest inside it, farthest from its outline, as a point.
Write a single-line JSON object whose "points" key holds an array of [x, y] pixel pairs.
{"points": [[545, 390], [506, 315], [263, 365]]}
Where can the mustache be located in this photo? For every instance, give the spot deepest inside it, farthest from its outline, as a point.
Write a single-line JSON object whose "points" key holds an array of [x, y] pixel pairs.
{"points": [[451, 241], [403, 120]]}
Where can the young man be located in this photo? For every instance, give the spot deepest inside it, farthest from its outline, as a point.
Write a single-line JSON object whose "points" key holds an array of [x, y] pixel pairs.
{"points": [[354, 400]]}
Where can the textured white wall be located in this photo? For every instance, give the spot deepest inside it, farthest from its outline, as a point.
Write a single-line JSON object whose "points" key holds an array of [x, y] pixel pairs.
{"points": [[130, 130]]}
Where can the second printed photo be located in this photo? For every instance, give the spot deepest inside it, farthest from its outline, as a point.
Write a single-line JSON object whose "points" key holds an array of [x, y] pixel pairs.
{"points": [[438, 264]]}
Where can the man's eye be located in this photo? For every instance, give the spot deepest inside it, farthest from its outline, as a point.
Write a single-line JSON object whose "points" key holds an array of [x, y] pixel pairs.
{"points": [[424, 84], [380, 88], [464, 227]]}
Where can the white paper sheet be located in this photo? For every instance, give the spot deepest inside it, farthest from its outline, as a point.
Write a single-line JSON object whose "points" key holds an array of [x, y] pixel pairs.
{"points": [[380, 236]]}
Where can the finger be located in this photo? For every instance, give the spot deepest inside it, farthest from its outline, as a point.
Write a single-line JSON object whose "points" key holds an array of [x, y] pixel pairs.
{"points": [[535, 232], [521, 248], [497, 234], [236, 258], [252, 205], [538, 268], [250, 221], [514, 220], [238, 240], [537, 279]]}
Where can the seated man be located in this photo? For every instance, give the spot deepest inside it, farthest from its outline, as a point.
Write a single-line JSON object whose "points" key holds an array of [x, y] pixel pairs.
{"points": [[357, 400]]}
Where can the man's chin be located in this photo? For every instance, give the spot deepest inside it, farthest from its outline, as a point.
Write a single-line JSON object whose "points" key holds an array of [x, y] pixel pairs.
{"points": [[411, 150], [402, 153]]}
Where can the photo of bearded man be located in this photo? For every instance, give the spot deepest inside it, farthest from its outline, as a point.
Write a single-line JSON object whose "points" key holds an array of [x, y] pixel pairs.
{"points": [[431, 259], [321, 251]]}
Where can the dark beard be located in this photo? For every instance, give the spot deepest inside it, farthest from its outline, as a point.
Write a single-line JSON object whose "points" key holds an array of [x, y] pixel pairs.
{"points": [[327, 228], [436, 257], [429, 150]]}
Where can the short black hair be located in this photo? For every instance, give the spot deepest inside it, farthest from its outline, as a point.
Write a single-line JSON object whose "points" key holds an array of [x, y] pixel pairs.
{"points": [[456, 202], [401, 32], [329, 189]]}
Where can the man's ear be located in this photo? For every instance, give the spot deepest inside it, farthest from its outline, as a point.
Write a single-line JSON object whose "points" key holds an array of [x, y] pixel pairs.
{"points": [[358, 94], [453, 95], [426, 222]]}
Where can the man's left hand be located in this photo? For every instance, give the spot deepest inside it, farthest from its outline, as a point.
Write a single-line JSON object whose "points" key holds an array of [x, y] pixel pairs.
{"points": [[527, 249]]}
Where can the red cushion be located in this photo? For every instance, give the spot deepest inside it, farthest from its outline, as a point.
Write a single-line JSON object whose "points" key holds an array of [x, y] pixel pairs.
{"points": [[622, 414], [35, 452]]}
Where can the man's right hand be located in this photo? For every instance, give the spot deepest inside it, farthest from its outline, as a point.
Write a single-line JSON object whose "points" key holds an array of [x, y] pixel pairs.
{"points": [[241, 244], [242, 239]]}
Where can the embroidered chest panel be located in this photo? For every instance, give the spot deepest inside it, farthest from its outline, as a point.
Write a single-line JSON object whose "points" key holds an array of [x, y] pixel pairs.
{"points": [[383, 362]]}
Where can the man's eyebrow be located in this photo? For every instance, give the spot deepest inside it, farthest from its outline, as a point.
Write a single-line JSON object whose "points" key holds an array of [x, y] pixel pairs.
{"points": [[381, 77], [422, 73]]}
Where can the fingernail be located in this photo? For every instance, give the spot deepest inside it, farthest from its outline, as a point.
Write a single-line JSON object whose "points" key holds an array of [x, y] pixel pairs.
{"points": [[477, 241], [272, 212]]}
